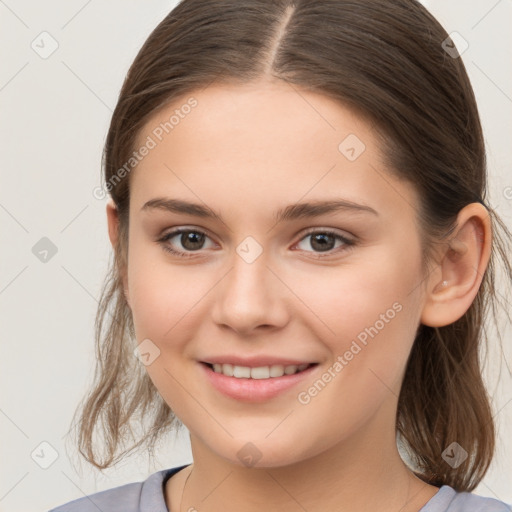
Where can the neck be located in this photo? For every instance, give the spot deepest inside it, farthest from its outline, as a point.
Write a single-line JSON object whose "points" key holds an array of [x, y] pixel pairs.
{"points": [[363, 473]]}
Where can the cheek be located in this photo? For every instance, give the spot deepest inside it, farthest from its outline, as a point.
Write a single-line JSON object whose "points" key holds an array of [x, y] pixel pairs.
{"points": [[348, 299], [160, 293], [367, 315], [168, 301], [164, 302], [374, 318]]}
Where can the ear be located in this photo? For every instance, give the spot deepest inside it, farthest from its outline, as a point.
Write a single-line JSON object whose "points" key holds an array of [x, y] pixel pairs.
{"points": [[113, 222], [463, 259], [113, 234]]}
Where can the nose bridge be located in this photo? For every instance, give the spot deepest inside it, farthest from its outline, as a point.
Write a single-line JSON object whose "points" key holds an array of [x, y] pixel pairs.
{"points": [[249, 296]]}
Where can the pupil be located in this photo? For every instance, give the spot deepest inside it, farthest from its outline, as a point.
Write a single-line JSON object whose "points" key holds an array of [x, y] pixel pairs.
{"points": [[192, 240], [321, 239]]}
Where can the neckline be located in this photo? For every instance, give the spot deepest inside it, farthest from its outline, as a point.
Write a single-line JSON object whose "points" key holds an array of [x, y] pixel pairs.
{"points": [[444, 494], [166, 475]]}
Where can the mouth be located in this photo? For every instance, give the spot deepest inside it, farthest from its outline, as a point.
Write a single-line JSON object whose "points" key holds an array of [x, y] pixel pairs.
{"points": [[257, 383], [257, 372]]}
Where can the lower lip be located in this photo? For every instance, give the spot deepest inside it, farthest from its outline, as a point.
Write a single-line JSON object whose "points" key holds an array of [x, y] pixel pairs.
{"points": [[254, 390]]}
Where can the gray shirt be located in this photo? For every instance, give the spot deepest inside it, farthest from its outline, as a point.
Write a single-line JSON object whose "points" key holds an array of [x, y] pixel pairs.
{"points": [[148, 496]]}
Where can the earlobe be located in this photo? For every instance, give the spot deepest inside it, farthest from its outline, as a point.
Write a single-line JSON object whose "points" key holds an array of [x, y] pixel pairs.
{"points": [[462, 266]]}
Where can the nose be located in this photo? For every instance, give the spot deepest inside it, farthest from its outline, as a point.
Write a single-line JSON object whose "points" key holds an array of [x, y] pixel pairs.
{"points": [[250, 298]]}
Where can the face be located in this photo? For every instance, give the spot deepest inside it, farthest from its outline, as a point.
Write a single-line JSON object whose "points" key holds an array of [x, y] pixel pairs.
{"points": [[266, 285]]}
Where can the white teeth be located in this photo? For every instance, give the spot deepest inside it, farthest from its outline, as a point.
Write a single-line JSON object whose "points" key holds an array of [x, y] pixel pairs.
{"points": [[241, 372], [289, 370], [277, 370], [260, 372], [226, 369]]}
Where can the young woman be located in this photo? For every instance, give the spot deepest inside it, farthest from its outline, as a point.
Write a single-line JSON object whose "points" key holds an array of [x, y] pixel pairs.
{"points": [[304, 259]]}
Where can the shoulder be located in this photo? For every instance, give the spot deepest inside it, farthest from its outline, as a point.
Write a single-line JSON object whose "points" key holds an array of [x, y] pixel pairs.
{"points": [[448, 500], [132, 497], [125, 498]]}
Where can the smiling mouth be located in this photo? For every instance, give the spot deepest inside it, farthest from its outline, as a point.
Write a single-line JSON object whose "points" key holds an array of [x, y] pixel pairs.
{"points": [[259, 372]]}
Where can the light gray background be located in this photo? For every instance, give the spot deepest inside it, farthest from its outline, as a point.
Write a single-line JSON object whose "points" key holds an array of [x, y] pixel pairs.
{"points": [[55, 114]]}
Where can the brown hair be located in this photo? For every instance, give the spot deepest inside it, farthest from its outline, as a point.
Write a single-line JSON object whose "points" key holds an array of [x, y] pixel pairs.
{"points": [[385, 59]]}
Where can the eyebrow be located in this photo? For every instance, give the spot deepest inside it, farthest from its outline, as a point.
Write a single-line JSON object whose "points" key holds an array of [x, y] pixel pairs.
{"points": [[290, 212]]}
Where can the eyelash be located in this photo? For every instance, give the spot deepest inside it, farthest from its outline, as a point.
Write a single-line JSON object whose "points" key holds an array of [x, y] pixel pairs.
{"points": [[348, 243]]}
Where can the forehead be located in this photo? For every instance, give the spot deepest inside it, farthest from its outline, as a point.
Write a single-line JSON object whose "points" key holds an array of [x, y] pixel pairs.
{"points": [[265, 143], [270, 112]]}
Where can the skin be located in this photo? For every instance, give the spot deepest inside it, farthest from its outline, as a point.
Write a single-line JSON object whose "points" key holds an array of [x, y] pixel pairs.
{"points": [[246, 151]]}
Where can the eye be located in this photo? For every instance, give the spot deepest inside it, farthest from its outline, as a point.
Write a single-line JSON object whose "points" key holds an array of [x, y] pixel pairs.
{"points": [[324, 241], [191, 240]]}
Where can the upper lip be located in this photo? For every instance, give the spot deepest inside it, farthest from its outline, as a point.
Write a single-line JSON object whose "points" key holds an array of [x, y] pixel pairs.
{"points": [[254, 361]]}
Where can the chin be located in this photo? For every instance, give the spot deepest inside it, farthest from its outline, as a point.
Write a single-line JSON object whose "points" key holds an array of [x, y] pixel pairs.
{"points": [[263, 453]]}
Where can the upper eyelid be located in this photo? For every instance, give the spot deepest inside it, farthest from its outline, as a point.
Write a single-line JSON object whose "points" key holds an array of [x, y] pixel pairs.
{"points": [[180, 229], [309, 231]]}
